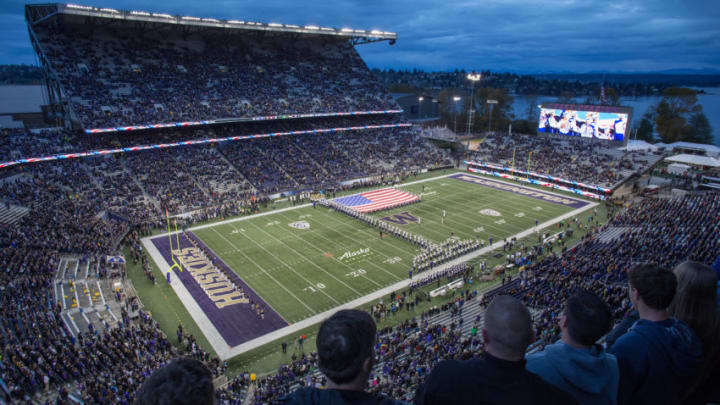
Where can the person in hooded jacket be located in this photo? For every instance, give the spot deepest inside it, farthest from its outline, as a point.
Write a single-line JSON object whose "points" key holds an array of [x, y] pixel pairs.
{"points": [[346, 354], [716, 268], [659, 356], [498, 376], [576, 363]]}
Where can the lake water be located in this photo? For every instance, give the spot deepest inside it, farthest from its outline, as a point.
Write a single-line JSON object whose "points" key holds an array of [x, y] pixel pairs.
{"points": [[710, 103], [21, 99]]}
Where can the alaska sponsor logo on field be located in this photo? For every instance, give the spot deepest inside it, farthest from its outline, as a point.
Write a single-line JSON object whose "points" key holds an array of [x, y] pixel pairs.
{"points": [[355, 254], [427, 193], [402, 218], [490, 212], [299, 225]]}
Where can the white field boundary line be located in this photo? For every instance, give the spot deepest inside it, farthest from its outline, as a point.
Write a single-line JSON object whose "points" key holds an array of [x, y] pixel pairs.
{"points": [[338, 261], [262, 214], [203, 322], [282, 263], [225, 352]]}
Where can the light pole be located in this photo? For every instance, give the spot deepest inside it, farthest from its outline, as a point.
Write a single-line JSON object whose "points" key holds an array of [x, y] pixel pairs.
{"points": [[491, 102], [473, 77], [420, 99], [455, 99]]}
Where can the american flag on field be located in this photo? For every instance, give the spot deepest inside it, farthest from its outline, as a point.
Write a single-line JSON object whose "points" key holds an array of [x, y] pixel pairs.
{"points": [[377, 200]]}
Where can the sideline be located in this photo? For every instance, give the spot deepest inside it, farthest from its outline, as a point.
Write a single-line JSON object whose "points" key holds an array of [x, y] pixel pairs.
{"points": [[262, 214], [224, 351]]}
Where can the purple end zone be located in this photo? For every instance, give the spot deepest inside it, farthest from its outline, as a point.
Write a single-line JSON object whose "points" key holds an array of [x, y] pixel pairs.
{"points": [[528, 192], [236, 323]]}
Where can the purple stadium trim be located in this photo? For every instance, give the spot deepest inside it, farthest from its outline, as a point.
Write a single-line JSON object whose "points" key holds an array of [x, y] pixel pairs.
{"points": [[527, 192], [236, 324]]}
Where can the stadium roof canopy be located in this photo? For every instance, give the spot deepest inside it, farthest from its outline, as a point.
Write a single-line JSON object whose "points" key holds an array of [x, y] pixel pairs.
{"points": [[694, 160], [639, 145], [39, 13], [690, 146]]}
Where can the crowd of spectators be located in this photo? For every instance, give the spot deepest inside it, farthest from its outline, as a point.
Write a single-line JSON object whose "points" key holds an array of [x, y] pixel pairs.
{"points": [[575, 159], [409, 351], [114, 79], [658, 229]]}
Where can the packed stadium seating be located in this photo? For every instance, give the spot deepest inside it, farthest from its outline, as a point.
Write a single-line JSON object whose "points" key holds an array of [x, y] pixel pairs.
{"points": [[65, 197], [115, 79], [575, 159], [652, 228], [81, 210]]}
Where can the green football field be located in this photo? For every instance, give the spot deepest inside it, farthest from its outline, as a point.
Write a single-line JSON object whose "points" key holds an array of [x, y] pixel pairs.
{"points": [[301, 271]]}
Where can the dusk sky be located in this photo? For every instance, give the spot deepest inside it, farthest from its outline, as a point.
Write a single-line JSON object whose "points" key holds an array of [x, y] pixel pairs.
{"points": [[500, 35]]}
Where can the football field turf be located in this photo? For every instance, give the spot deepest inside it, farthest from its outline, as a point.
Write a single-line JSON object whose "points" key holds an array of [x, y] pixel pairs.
{"points": [[305, 261]]}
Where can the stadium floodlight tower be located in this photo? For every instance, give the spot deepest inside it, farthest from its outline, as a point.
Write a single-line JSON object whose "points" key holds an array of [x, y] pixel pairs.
{"points": [[473, 77], [455, 99]]}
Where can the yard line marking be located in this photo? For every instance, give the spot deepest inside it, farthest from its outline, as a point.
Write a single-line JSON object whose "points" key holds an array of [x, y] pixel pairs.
{"points": [[268, 274], [344, 264], [403, 252], [492, 203], [304, 323], [309, 261], [363, 228], [242, 278]]}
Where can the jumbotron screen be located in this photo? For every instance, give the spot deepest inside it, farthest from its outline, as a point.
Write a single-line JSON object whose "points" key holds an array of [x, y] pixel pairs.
{"points": [[574, 120]]}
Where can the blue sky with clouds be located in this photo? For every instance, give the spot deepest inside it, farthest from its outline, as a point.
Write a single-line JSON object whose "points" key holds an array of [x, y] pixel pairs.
{"points": [[515, 35]]}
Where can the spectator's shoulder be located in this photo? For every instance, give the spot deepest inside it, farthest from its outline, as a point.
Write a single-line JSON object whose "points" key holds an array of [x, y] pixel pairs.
{"points": [[631, 343], [548, 393]]}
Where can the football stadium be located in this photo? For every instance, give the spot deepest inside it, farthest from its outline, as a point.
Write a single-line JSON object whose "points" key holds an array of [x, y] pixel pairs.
{"points": [[240, 212]]}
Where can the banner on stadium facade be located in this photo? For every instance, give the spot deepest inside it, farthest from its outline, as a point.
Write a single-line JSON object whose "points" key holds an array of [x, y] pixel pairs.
{"points": [[192, 142], [539, 183], [521, 173], [229, 120]]}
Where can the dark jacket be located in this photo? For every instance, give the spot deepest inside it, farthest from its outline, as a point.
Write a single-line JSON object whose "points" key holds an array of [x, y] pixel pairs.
{"points": [[487, 380], [316, 396], [657, 362], [621, 328], [589, 375]]}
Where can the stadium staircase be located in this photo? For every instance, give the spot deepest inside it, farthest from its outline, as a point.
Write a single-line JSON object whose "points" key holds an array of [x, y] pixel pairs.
{"points": [[277, 166], [612, 233], [315, 162], [222, 155], [134, 178], [243, 181], [85, 298], [11, 214]]}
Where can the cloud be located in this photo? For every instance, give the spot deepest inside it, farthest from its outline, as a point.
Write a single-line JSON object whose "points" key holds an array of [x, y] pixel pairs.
{"points": [[518, 35]]}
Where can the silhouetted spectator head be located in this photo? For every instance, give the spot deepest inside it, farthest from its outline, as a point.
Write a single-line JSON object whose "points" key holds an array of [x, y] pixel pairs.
{"points": [[653, 285], [508, 328], [586, 318], [695, 301], [182, 382], [345, 344]]}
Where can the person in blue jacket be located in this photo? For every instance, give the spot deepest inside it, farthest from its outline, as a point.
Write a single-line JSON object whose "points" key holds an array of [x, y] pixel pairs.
{"points": [[659, 355], [716, 266], [576, 363]]}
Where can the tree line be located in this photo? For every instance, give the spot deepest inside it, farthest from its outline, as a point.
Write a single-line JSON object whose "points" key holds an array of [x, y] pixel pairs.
{"points": [[676, 117]]}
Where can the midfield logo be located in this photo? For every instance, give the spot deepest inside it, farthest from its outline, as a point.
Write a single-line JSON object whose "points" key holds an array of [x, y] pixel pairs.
{"points": [[299, 225], [349, 255], [488, 211], [402, 218]]}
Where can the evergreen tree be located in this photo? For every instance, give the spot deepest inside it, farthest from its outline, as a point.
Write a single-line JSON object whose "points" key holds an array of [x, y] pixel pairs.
{"points": [[701, 131]]}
